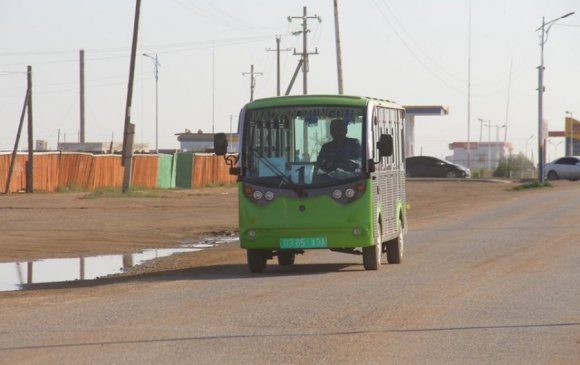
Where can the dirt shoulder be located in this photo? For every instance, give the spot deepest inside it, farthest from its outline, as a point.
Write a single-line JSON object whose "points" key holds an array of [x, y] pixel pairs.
{"points": [[34, 226], [46, 225]]}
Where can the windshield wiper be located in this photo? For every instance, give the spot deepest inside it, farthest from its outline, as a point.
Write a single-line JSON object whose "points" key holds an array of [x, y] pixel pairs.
{"points": [[284, 179]]}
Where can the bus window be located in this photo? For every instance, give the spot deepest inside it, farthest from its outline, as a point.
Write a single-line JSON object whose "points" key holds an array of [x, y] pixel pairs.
{"points": [[278, 149]]}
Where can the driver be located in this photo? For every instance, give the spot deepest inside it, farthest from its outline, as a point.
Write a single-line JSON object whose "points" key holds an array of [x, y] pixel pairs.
{"points": [[340, 153]]}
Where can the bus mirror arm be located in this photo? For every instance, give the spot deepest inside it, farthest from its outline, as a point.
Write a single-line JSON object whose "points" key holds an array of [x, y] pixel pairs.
{"points": [[220, 147], [371, 165]]}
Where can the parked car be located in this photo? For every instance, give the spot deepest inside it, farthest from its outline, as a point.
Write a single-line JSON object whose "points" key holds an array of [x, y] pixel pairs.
{"points": [[427, 166], [563, 168]]}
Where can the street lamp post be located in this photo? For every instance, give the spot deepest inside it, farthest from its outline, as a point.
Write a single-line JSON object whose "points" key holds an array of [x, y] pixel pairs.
{"points": [[555, 148], [499, 150], [487, 123], [526, 150], [156, 66], [571, 131], [545, 28]]}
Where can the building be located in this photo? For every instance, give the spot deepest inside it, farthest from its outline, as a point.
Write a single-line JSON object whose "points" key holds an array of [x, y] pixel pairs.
{"points": [[99, 147], [203, 142], [41, 145], [412, 111], [484, 155]]}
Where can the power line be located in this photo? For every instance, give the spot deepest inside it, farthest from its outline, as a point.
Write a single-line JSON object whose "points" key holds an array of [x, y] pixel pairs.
{"points": [[227, 21], [410, 49], [169, 46]]}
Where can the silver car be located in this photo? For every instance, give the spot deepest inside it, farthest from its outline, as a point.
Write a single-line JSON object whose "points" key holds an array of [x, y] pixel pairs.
{"points": [[563, 168]]}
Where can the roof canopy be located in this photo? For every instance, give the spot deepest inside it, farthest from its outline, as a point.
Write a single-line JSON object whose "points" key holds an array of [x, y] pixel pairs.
{"points": [[427, 109]]}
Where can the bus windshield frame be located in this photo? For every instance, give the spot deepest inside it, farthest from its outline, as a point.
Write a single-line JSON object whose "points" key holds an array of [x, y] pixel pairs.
{"points": [[281, 146]]}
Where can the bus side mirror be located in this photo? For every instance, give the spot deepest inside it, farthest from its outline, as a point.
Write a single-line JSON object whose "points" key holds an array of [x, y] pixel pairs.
{"points": [[220, 144], [385, 145]]}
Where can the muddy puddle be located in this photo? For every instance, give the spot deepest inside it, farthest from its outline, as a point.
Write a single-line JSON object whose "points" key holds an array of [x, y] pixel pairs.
{"points": [[16, 275]]}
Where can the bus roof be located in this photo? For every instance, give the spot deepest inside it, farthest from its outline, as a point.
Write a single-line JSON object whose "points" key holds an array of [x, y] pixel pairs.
{"points": [[294, 100]]}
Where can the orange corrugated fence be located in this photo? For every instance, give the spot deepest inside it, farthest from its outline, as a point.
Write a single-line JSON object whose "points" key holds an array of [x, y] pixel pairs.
{"points": [[86, 171], [75, 170], [145, 171], [210, 169], [46, 171], [18, 180], [107, 172]]}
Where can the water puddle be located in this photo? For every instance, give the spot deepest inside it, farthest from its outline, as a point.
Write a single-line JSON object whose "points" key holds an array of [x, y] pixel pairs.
{"points": [[16, 275]]}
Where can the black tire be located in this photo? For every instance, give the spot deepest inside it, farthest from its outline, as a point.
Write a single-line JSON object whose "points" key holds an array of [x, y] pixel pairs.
{"points": [[395, 250], [286, 258], [257, 260], [553, 175], [372, 257]]}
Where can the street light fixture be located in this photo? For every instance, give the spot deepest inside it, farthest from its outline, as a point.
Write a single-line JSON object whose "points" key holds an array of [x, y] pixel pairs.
{"points": [[156, 66], [571, 131], [487, 123], [526, 150], [555, 148], [545, 28]]}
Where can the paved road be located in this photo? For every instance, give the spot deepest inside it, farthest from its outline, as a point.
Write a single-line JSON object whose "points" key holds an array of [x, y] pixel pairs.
{"points": [[497, 286]]}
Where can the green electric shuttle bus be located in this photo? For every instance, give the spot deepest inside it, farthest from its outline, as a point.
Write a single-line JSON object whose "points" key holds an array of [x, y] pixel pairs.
{"points": [[320, 172]]}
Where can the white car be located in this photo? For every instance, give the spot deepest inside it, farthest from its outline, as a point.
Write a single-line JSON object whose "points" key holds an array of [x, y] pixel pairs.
{"points": [[563, 168]]}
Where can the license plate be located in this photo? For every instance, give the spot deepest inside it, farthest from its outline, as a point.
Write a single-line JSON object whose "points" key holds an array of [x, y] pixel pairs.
{"points": [[303, 242]]}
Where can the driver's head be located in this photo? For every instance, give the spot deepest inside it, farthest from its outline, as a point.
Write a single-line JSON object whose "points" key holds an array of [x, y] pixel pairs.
{"points": [[338, 129]]}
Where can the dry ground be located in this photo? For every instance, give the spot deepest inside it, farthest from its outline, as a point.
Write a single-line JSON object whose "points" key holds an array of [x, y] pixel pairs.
{"points": [[40, 225]]}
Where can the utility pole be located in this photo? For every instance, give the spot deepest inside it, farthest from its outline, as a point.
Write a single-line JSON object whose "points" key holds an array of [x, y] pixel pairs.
{"points": [[30, 162], [305, 52], [156, 66], [278, 61], [129, 130], [252, 80], [15, 150], [545, 28], [469, 91], [338, 51], [82, 87]]}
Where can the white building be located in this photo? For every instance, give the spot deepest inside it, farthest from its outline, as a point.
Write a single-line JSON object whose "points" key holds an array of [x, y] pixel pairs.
{"points": [[483, 155], [203, 142], [99, 147]]}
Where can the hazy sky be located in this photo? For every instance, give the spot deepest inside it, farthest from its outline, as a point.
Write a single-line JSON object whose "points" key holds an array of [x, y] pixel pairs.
{"points": [[409, 51]]}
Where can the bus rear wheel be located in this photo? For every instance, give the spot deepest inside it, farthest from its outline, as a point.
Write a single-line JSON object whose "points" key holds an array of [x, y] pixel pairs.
{"points": [[372, 257], [286, 258], [257, 260], [395, 250]]}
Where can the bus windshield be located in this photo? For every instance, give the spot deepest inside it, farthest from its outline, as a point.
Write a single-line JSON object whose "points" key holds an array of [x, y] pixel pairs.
{"points": [[302, 146]]}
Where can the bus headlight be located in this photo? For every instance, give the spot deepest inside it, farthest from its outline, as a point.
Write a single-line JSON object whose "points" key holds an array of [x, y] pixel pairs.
{"points": [[269, 195], [252, 233], [349, 193], [356, 231], [337, 194], [257, 195]]}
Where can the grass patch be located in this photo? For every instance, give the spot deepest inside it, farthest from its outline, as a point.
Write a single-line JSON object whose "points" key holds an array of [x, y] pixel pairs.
{"points": [[70, 188], [532, 185], [111, 192], [219, 185]]}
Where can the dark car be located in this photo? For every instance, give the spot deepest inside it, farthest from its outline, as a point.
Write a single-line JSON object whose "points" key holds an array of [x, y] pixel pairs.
{"points": [[427, 166]]}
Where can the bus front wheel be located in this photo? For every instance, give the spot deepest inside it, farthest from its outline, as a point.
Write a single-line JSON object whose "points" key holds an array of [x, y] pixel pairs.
{"points": [[372, 257], [257, 260], [395, 250]]}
